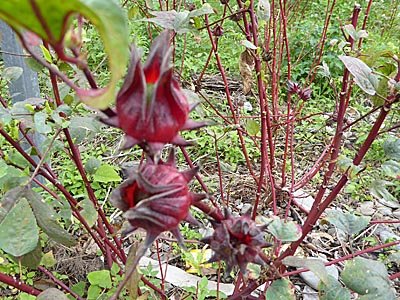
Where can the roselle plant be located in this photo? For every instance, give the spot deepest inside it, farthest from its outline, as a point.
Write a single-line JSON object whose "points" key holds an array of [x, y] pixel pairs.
{"points": [[151, 109]]}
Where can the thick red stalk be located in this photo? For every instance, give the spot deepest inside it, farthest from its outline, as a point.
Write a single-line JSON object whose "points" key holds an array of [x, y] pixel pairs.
{"points": [[266, 132], [19, 284], [76, 157]]}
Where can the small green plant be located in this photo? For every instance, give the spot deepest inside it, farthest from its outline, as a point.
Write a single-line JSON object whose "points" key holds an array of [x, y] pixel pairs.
{"points": [[202, 292]]}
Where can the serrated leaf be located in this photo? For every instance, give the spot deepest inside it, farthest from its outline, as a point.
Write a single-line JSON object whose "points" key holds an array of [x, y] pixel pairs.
{"points": [[12, 73], [46, 219], [248, 44], [252, 127], [392, 148], [82, 127], [52, 294], [181, 22], [100, 278], [391, 168], [362, 74], [178, 21], [19, 233], [347, 222], [106, 173], [333, 290], [205, 9], [88, 211], [285, 231], [106, 15], [316, 266], [378, 189], [280, 289], [368, 278], [40, 119]]}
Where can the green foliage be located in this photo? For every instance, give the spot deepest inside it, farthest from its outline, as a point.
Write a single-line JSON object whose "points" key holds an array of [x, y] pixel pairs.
{"points": [[284, 231], [280, 289], [347, 222], [104, 14], [201, 291], [368, 278]]}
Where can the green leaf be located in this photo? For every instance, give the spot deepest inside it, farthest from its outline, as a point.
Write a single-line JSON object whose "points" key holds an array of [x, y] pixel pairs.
{"points": [[285, 231], [82, 127], [280, 289], [14, 179], [46, 219], [88, 212], [348, 222], [391, 168], [5, 116], [52, 294], [392, 148], [19, 233], [203, 283], [106, 173], [12, 73], [248, 44], [106, 15], [316, 266], [178, 21], [48, 260], [252, 127], [79, 288], [333, 290], [9, 200], [40, 119], [31, 259], [93, 292], [378, 189], [362, 74], [92, 165], [114, 269], [100, 278], [46, 53], [205, 9], [368, 278]]}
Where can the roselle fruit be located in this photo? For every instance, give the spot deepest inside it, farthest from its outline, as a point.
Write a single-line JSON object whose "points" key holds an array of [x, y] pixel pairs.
{"points": [[294, 88], [151, 107], [237, 241], [157, 198]]}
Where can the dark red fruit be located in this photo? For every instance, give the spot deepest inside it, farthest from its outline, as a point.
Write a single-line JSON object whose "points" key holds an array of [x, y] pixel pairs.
{"points": [[237, 241], [157, 199], [151, 107]]}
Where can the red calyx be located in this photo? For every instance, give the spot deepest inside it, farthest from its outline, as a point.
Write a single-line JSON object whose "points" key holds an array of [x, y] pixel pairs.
{"points": [[237, 241], [151, 107], [157, 199]]}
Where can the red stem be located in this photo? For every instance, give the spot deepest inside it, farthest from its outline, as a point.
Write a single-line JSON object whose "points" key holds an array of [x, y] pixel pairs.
{"points": [[59, 282], [18, 284]]}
